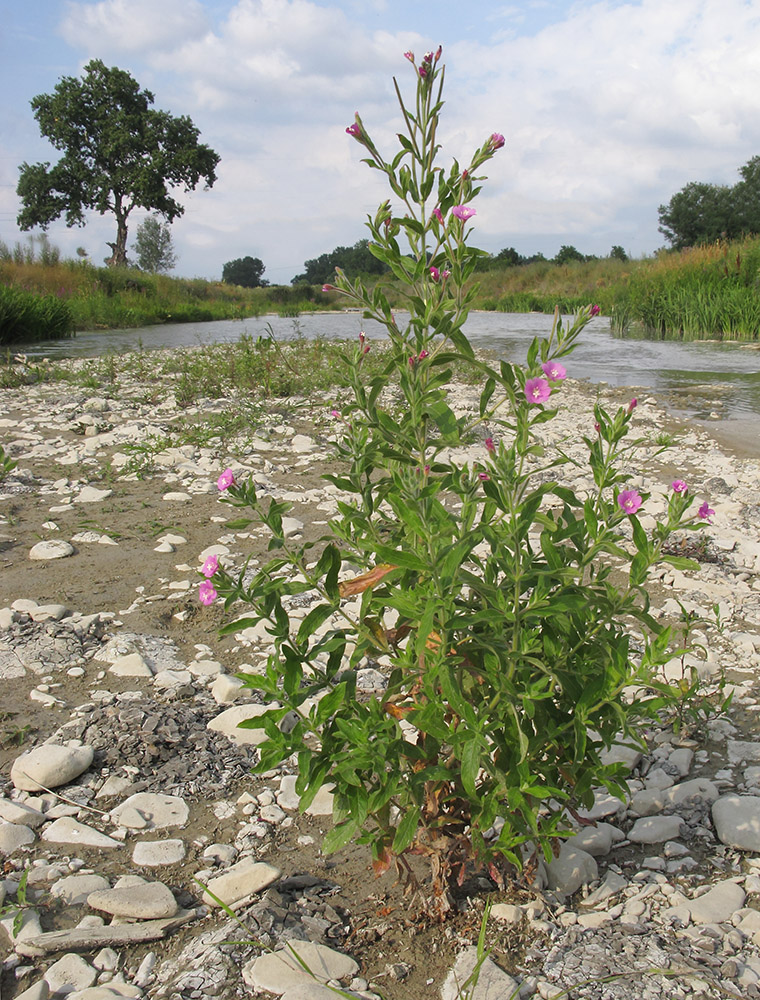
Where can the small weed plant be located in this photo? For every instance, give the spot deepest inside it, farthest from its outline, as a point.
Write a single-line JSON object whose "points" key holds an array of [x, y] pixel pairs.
{"points": [[501, 604]]}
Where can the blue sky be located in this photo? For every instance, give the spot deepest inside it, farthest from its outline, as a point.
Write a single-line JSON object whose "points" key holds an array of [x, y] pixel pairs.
{"points": [[608, 109]]}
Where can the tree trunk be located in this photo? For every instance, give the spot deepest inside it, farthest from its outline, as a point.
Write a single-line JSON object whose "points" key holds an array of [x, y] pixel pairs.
{"points": [[119, 256]]}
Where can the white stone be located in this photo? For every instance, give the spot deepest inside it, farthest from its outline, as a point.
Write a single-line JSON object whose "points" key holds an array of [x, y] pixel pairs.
{"points": [[492, 982], [113, 785], [718, 904], [288, 797], [507, 913], [743, 752], [227, 722], [571, 869], [177, 497], [280, 970], [153, 853], [302, 443], [49, 612], [291, 526], [146, 901], [157, 811], [49, 766], [655, 829], [737, 821], [239, 881], [68, 831], [74, 889], [682, 758], [39, 991], [14, 836], [698, 788], [131, 665], [20, 812], [54, 549], [594, 840], [322, 803], [168, 679], [89, 494], [70, 973], [226, 689]]}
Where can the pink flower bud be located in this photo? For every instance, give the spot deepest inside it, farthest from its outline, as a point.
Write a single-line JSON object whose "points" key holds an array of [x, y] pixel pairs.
{"points": [[422, 355], [354, 130], [489, 444], [435, 274], [594, 310], [328, 288], [496, 141], [438, 52], [436, 213], [632, 405], [410, 56]]}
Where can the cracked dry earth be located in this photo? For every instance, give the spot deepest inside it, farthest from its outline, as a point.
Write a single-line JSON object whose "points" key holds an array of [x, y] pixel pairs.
{"points": [[124, 782]]}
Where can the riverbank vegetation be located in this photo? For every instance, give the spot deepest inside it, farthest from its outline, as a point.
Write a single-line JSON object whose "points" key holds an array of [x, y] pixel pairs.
{"points": [[707, 292]]}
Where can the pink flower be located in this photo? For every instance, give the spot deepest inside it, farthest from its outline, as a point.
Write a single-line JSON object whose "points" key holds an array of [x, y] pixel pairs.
{"points": [[537, 390], [679, 486], [554, 371], [354, 130], [463, 212], [210, 566], [629, 501], [633, 404], [206, 592], [706, 513], [483, 477], [594, 311], [490, 446], [226, 480], [445, 273], [436, 213], [409, 56], [496, 141], [328, 288], [435, 274], [423, 71], [597, 427], [422, 355]]}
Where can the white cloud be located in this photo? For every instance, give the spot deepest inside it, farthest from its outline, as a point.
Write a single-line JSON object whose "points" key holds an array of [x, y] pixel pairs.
{"points": [[114, 26]]}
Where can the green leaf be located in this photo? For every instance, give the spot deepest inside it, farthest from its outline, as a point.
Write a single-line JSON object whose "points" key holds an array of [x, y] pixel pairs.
{"points": [[445, 420], [471, 765], [406, 830], [316, 617], [339, 836], [681, 562]]}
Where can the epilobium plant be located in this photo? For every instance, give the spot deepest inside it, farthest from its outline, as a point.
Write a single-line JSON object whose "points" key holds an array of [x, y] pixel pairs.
{"points": [[485, 591]]}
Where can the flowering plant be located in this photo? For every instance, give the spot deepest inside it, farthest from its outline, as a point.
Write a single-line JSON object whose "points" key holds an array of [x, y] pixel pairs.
{"points": [[484, 590]]}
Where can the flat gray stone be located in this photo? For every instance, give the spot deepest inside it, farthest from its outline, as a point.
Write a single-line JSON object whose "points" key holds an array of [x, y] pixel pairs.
{"points": [[717, 905], [39, 991], [50, 766], [151, 811], [68, 831], [131, 665], [698, 789], [146, 901], [737, 821], [153, 853], [571, 869], [56, 548], [89, 494], [595, 840], [20, 812], [70, 973], [492, 982], [243, 879], [74, 889], [14, 836], [655, 829], [227, 722], [279, 971]]}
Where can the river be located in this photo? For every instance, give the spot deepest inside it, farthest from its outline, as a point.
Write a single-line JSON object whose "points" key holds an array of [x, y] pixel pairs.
{"points": [[705, 380]]}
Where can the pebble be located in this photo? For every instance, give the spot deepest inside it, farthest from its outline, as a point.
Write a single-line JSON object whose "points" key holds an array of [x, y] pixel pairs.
{"points": [[53, 549], [571, 869], [49, 766], [279, 971], [70, 973], [74, 889], [14, 836], [492, 982], [718, 904], [737, 821], [655, 829], [146, 901], [154, 853], [69, 831], [151, 811], [246, 878]]}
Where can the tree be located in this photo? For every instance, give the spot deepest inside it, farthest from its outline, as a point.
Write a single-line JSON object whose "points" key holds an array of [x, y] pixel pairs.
{"points": [[618, 253], [118, 154], [355, 260], [245, 271], [698, 213], [567, 254], [154, 246]]}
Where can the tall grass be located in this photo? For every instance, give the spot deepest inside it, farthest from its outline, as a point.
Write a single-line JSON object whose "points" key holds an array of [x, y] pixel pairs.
{"points": [[107, 298], [28, 316]]}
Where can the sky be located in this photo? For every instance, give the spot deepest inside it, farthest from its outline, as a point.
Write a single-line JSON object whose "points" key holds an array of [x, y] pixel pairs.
{"points": [[608, 108]]}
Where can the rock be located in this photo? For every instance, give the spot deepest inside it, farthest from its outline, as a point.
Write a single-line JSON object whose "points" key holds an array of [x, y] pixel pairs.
{"points": [[74, 889], [737, 821], [492, 982], [570, 870], [595, 840], [613, 884], [226, 689], [279, 971], [698, 789], [68, 831], [89, 494], [70, 973], [655, 829], [322, 803], [718, 904], [20, 812], [243, 879], [49, 612], [291, 526], [147, 810], [147, 901], [619, 753], [54, 549], [40, 991], [507, 913], [227, 722], [88, 938], [153, 853], [131, 665], [14, 836], [49, 766]]}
